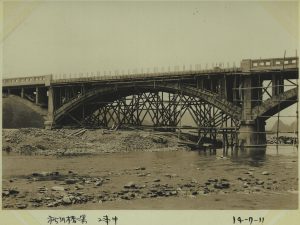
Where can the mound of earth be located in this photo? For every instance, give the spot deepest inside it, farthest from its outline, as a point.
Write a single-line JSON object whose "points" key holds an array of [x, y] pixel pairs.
{"points": [[65, 142], [20, 113]]}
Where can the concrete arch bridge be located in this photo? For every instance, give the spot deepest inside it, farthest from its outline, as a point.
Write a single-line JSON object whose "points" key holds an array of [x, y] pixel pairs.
{"points": [[235, 101]]}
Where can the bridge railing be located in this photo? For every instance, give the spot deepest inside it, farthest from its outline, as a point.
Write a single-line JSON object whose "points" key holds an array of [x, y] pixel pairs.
{"points": [[22, 81], [246, 66], [106, 77]]}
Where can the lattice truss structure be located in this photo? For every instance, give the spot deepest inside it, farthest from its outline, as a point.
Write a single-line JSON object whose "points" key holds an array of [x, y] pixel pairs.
{"points": [[162, 110]]}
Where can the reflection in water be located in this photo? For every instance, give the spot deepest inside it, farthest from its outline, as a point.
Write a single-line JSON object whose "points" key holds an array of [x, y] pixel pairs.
{"points": [[251, 156]]}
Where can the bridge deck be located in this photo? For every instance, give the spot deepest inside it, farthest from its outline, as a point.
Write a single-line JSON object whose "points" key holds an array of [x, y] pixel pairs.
{"points": [[257, 66]]}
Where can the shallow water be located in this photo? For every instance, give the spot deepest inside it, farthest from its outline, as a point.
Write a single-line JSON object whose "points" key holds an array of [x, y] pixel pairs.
{"points": [[188, 166]]}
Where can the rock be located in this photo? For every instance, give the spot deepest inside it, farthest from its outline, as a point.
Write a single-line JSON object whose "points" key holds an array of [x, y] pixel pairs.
{"points": [[53, 204], [142, 174], [245, 185], [249, 173], [98, 183], [22, 196], [21, 206], [218, 186], [140, 168], [260, 182], [126, 197], [257, 188], [6, 149], [153, 195], [66, 200], [27, 149], [206, 191], [36, 204], [130, 185], [57, 188], [13, 192], [55, 173], [188, 185], [8, 206], [173, 192], [156, 180], [38, 200], [212, 180], [265, 173], [171, 175], [71, 181], [160, 193], [194, 181], [142, 186], [225, 185], [41, 174], [41, 147], [242, 179], [5, 193], [79, 187], [221, 185]]}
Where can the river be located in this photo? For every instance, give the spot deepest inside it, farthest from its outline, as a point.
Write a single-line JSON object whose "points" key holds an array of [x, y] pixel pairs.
{"points": [[161, 180]]}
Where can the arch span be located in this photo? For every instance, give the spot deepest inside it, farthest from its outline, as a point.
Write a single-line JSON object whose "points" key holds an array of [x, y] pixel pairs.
{"points": [[275, 104], [113, 93]]}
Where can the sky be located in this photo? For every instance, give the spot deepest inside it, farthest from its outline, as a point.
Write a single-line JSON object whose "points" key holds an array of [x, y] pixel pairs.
{"points": [[81, 37]]}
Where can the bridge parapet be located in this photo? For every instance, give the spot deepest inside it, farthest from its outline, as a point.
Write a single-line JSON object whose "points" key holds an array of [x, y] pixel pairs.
{"points": [[23, 81], [248, 65]]}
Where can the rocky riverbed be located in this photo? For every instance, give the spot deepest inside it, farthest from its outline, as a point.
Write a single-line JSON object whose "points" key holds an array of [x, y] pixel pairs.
{"points": [[155, 175]]}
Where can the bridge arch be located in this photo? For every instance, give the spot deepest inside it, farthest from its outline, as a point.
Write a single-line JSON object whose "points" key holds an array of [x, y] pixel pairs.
{"points": [[110, 94], [275, 104]]}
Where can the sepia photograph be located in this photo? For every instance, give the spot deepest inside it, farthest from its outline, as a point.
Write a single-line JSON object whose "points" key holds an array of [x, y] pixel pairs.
{"points": [[150, 106]]}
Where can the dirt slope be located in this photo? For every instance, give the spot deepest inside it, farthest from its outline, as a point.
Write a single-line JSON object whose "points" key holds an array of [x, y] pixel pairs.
{"points": [[20, 113]]}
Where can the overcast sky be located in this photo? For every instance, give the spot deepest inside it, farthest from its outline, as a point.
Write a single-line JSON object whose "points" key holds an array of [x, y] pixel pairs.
{"points": [[79, 37], [73, 37]]}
